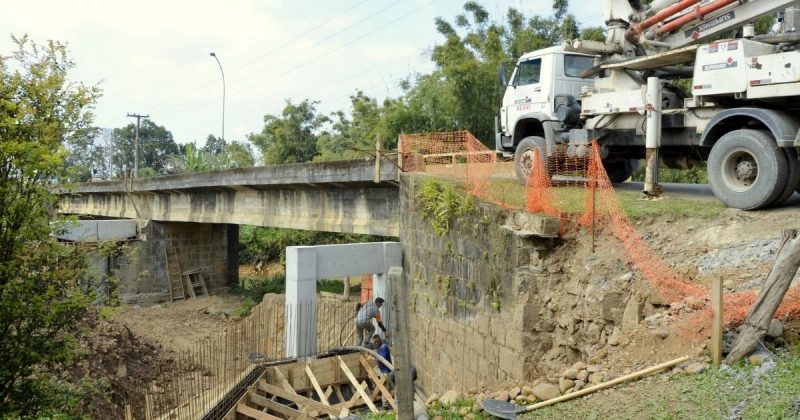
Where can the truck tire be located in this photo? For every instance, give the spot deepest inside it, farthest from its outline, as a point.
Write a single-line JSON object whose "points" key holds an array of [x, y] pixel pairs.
{"points": [[524, 157], [619, 170], [792, 175], [746, 169]]}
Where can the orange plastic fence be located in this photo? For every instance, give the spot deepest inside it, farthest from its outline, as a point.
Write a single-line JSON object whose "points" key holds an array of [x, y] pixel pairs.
{"points": [[571, 184]]}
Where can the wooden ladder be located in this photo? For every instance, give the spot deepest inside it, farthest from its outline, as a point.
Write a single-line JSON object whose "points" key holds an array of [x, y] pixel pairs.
{"points": [[195, 283], [176, 289]]}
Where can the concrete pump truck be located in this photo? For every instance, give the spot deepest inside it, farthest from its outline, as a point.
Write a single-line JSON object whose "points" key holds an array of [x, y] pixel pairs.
{"points": [[742, 117]]}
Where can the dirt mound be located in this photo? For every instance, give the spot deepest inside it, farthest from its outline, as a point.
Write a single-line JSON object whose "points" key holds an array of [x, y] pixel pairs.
{"points": [[124, 362], [180, 325]]}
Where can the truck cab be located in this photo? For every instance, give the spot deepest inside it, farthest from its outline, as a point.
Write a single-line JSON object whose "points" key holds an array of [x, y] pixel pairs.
{"points": [[540, 97]]}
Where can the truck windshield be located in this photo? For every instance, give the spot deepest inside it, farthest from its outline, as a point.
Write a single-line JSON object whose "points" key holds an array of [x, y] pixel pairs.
{"points": [[574, 65], [528, 72]]}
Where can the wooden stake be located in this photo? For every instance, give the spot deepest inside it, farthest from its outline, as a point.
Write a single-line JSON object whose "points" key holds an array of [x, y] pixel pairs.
{"points": [[400, 153], [355, 383], [716, 325], [377, 175], [378, 383], [313, 379]]}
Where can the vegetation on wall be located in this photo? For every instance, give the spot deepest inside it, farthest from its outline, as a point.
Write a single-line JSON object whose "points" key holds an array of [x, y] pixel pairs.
{"points": [[441, 204]]}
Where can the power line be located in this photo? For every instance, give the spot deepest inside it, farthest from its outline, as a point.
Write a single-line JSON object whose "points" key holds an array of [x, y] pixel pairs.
{"points": [[183, 107], [293, 40]]}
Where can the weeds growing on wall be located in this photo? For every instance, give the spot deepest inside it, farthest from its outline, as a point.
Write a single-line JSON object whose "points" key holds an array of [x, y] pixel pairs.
{"points": [[441, 203]]}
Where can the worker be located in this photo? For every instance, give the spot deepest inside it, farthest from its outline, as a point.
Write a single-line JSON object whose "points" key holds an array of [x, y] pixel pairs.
{"points": [[383, 350], [364, 317]]}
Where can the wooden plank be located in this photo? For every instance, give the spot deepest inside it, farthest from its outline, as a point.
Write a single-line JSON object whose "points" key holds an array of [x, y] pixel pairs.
{"points": [[282, 380], [298, 399], [378, 382], [354, 400], [252, 412], [274, 406], [354, 381], [328, 392], [716, 325], [314, 382], [403, 385]]}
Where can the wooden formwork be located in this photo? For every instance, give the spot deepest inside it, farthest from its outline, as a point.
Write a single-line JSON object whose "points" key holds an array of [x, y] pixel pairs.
{"points": [[324, 387]]}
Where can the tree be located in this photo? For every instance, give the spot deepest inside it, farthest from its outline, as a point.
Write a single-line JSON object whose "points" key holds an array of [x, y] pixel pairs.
{"points": [[292, 136], [156, 146], [40, 307]]}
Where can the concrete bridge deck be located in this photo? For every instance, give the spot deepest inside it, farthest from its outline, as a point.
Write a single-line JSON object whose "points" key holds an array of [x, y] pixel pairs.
{"points": [[340, 196]]}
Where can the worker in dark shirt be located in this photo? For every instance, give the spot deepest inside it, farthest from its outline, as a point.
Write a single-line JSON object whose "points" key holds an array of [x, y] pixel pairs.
{"points": [[383, 350]]}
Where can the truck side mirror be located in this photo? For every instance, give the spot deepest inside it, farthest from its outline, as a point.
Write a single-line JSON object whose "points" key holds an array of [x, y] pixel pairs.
{"points": [[501, 75]]}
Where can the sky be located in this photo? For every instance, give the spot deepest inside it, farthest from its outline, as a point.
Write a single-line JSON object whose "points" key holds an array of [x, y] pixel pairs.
{"points": [[153, 57]]}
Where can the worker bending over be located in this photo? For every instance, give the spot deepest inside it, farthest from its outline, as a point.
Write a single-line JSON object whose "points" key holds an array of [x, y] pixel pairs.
{"points": [[364, 327]]}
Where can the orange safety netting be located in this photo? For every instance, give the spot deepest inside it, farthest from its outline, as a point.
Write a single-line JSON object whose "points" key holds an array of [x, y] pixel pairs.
{"points": [[573, 185]]}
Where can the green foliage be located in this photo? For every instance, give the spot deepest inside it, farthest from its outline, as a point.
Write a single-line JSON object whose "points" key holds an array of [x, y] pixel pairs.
{"points": [[256, 287], [696, 175], [440, 203], [156, 148], [215, 155], [40, 305], [244, 309], [336, 286], [292, 136], [266, 244]]}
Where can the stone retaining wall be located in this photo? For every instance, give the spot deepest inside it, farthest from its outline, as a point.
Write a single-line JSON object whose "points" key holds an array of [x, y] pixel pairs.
{"points": [[489, 307]]}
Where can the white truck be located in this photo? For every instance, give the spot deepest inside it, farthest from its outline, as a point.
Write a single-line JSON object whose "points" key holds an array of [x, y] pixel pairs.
{"points": [[742, 116]]}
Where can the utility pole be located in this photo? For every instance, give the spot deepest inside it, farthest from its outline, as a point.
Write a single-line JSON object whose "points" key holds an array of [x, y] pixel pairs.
{"points": [[136, 143]]}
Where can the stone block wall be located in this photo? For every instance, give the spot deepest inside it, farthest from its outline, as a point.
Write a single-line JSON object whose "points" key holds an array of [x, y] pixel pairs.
{"points": [[142, 268], [468, 293], [489, 307]]}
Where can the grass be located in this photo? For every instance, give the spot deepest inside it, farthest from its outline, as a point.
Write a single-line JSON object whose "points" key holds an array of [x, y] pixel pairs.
{"points": [[738, 392], [573, 199]]}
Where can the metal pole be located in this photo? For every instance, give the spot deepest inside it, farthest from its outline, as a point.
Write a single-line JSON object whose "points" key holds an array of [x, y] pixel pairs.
{"points": [[652, 137], [223, 99]]}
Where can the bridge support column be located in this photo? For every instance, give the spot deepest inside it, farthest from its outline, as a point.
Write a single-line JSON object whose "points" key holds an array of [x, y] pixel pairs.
{"points": [[305, 265]]}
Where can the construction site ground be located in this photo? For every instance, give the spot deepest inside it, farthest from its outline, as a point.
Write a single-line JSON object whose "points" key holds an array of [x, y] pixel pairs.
{"points": [[737, 246]]}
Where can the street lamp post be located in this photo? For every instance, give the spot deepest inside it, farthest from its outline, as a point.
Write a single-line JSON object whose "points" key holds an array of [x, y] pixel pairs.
{"points": [[223, 98]]}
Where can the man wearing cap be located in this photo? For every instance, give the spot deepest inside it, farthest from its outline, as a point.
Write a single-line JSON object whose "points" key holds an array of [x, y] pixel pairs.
{"points": [[364, 317]]}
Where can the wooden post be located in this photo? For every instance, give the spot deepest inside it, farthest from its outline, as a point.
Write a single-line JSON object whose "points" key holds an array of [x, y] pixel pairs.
{"points": [[759, 316], [716, 326], [128, 412], [347, 288], [400, 152], [377, 177], [404, 385]]}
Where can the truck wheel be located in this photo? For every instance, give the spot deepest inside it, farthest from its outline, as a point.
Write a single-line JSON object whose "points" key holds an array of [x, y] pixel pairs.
{"points": [[620, 170], [746, 169], [531, 151], [792, 175]]}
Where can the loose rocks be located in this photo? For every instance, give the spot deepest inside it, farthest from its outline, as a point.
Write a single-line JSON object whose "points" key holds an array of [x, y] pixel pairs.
{"points": [[546, 391]]}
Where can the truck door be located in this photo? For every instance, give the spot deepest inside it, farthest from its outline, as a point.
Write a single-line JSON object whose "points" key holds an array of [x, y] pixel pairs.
{"points": [[527, 93]]}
